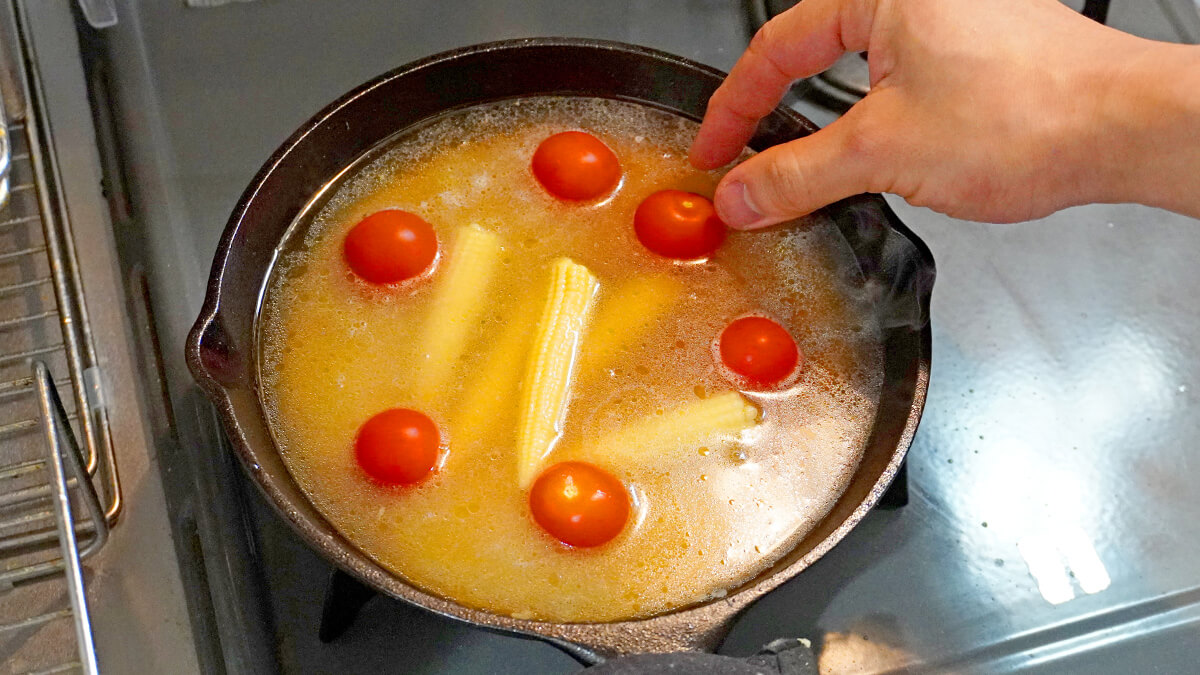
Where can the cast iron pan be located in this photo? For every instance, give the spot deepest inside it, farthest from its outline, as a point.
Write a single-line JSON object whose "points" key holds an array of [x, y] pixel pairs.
{"points": [[222, 352]]}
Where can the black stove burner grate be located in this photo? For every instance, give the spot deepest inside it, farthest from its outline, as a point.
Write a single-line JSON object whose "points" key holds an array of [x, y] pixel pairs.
{"points": [[345, 596]]}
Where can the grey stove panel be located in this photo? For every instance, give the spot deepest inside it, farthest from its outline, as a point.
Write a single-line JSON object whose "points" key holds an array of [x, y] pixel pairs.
{"points": [[1053, 523]]}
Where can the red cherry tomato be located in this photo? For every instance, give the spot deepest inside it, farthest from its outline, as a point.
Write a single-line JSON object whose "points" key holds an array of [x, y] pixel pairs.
{"points": [[759, 350], [678, 224], [576, 165], [397, 446], [390, 246], [579, 504]]}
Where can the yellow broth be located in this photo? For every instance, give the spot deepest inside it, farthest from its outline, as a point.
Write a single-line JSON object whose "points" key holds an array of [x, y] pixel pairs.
{"points": [[335, 351]]}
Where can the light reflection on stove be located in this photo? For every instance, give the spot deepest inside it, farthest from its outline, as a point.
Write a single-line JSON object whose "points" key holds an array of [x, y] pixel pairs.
{"points": [[1085, 564], [1049, 466], [1055, 556], [1047, 569], [1042, 507]]}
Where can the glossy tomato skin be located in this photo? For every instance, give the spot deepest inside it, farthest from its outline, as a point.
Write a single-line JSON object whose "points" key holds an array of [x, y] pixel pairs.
{"points": [[398, 446], [760, 350], [579, 504], [576, 166], [680, 225], [390, 246]]}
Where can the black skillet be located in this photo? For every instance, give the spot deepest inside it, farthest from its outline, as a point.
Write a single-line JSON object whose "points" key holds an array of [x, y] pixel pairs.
{"points": [[222, 348]]}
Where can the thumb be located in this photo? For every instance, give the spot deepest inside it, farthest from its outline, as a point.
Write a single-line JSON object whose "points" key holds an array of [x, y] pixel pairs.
{"points": [[793, 179]]}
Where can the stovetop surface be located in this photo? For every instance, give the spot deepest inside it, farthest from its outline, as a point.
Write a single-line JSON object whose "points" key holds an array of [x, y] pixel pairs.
{"points": [[1054, 522]]}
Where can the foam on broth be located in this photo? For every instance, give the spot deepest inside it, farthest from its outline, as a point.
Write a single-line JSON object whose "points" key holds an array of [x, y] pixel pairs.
{"points": [[334, 352]]}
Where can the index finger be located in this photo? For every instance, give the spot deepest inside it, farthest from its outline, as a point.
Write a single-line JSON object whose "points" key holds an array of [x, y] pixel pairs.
{"points": [[801, 42]]}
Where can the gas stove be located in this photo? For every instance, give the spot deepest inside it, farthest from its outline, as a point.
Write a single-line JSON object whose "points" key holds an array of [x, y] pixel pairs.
{"points": [[1050, 520]]}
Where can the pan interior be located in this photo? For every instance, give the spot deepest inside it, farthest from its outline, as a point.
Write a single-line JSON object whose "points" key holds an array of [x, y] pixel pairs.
{"points": [[314, 320]]}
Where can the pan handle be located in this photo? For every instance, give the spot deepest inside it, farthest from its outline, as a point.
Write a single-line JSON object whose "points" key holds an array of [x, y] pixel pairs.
{"points": [[700, 629], [212, 355]]}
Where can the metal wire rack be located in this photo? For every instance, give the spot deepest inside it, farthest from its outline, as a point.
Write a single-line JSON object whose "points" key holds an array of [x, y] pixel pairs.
{"points": [[55, 453]]}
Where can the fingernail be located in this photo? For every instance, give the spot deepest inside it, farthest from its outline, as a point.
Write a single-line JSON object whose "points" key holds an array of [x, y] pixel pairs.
{"points": [[736, 208]]}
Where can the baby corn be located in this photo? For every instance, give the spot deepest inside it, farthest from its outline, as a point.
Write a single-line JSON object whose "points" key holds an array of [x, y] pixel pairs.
{"points": [[491, 395], [456, 308], [656, 436], [548, 375], [623, 316]]}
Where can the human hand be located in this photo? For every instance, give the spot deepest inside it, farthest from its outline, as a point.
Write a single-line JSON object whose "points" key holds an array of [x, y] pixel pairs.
{"points": [[990, 110]]}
